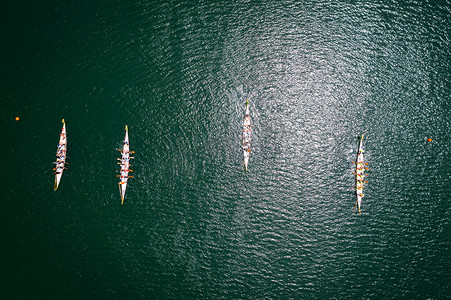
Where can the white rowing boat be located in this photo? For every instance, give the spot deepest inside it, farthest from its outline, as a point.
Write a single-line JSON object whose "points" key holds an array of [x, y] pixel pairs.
{"points": [[247, 136], [360, 174], [125, 165], [60, 156]]}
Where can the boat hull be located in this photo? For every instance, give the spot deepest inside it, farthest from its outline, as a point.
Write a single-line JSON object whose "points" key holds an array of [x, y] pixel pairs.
{"points": [[125, 166], [247, 136], [61, 157], [360, 174]]}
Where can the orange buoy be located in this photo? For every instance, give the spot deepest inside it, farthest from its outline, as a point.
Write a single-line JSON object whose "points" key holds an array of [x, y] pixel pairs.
{"points": [[429, 140], [17, 118]]}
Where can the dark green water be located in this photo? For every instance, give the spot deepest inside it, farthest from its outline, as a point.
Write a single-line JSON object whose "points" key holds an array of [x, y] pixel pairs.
{"points": [[318, 74]]}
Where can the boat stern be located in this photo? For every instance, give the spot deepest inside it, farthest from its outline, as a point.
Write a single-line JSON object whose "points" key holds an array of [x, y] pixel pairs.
{"points": [[246, 160], [122, 189], [121, 192], [57, 180]]}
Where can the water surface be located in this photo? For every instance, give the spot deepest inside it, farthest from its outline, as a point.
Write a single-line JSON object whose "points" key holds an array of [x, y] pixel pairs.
{"points": [[318, 75]]}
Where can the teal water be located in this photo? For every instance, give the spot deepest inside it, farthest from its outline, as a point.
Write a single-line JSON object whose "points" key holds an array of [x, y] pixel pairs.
{"points": [[318, 74]]}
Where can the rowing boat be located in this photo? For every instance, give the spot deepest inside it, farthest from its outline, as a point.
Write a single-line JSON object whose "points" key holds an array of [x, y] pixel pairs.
{"points": [[125, 165], [247, 136], [60, 156], [360, 173]]}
